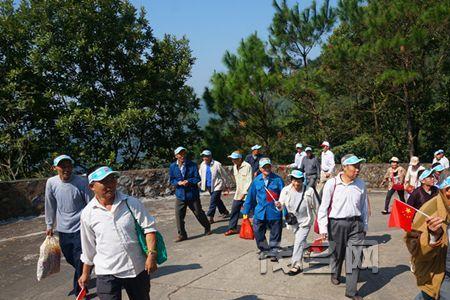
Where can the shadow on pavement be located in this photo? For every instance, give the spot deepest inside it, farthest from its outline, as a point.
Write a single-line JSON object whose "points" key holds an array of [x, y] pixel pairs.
{"points": [[374, 282], [381, 239], [248, 297], [166, 270]]}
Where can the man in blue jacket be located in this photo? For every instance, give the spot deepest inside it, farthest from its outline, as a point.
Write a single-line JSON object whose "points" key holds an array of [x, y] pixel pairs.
{"points": [[184, 176], [262, 199]]}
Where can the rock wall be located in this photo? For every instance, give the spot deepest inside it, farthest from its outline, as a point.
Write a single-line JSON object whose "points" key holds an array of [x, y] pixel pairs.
{"points": [[26, 197]]}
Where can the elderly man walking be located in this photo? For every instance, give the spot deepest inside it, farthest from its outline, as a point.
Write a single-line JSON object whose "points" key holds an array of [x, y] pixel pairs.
{"points": [[242, 172], [440, 158], [262, 198], [214, 179], [253, 159], [299, 156], [311, 168], [66, 195], [110, 242], [343, 219], [184, 176], [327, 164], [425, 192]]}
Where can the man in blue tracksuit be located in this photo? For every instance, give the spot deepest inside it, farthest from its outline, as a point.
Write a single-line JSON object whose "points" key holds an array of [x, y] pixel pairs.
{"points": [[185, 177], [262, 198], [253, 159]]}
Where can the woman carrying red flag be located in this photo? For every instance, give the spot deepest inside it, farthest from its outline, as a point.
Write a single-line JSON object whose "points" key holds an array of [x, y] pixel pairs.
{"points": [[428, 244]]}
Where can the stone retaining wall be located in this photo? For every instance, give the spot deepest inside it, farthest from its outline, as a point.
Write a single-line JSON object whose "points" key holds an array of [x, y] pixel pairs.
{"points": [[26, 197]]}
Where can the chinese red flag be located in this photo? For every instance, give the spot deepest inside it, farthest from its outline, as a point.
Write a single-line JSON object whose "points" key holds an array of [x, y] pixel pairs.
{"points": [[271, 196], [401, 216]]}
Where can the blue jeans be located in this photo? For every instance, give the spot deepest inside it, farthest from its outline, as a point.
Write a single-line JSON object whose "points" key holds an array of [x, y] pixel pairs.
{"points": [[235, 212], [216, 201], [70, 244], [260, 227]]}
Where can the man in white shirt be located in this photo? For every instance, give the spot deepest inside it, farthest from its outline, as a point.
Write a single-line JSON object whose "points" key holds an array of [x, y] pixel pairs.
{"points": [[346, 223], [440, 158], [109, 240], [327, 165], [298, 156]]}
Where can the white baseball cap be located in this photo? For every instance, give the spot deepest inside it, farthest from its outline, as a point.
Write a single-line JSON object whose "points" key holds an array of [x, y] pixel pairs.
{"points": [[256, 147], [325, 143]]}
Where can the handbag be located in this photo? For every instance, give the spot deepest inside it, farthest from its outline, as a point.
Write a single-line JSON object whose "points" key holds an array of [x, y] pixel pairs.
{"points": [[161, 251], [290, 218], [246, 231]]}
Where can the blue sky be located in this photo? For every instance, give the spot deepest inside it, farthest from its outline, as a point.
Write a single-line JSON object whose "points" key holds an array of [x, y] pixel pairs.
{"points": [[212, 27]]}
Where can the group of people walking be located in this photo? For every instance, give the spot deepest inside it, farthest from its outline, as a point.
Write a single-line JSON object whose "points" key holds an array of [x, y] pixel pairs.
{"points": [[96, 223]]}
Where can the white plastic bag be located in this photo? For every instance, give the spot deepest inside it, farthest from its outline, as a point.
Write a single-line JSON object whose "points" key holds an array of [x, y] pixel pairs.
{"points": [[49, 257]]}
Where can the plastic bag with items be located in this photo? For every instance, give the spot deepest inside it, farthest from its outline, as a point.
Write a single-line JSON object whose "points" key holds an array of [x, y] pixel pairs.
{"points": [[49, 258]]}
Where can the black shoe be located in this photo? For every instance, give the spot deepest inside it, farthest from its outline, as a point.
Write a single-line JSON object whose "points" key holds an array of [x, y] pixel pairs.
{"points": [[294, 271], [335, 280], [385, 212], [208, 232]]}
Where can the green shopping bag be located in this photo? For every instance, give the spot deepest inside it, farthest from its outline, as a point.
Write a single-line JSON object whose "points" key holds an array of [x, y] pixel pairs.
{"points": [[160, 245]]}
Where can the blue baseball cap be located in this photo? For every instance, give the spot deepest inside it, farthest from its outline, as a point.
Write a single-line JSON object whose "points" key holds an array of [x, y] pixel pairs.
{"points": [[308, 149], [297, 174], [439, 168], [60, 158], [264, 161], [256, 147], [445, 183], [426, 173], [298, 145], [439, 152], [101, 173], [178, 150], [352, 160], [206, 153], [235, 155]]}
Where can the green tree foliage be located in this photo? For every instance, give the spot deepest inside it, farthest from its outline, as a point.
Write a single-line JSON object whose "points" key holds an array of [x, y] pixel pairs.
{"points": [[245, 98], [88, 78], [380, 86]]}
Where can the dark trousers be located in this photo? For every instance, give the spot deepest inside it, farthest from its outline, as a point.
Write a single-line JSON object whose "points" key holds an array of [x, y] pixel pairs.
{"points": [[70, 244], [343, 236], [180, 213], [260, 227], [110, 287], [235, 212], [214, 202], [390, 193], [311, 180]]}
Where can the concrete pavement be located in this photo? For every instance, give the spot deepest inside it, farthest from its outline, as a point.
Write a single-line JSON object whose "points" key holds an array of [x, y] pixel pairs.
{"points": [[213, 267]]}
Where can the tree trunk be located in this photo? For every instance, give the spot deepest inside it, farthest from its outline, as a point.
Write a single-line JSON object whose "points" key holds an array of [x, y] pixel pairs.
{"points": [[410, 124]]}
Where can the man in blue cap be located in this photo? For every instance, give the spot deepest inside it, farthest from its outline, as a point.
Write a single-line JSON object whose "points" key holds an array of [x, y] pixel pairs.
{"points": [[184, 177], [440, 158], [262, 199], [425, 191], [214, 179], [253, 159], [66, 195], [343, 219], [110, 241], [242, 172]]}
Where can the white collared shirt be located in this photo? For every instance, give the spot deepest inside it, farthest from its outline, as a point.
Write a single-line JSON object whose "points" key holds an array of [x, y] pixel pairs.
{"points": [[109, 240], [349, 200], [327, 162], [298, 159], [443, 161]]}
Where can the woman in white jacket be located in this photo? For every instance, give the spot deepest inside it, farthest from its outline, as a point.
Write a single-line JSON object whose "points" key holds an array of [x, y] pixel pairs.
{"points": [[302, 202]]}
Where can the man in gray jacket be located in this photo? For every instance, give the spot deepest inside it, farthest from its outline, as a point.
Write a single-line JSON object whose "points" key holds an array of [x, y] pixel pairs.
{"points": [[66, 195], [310, 167]]}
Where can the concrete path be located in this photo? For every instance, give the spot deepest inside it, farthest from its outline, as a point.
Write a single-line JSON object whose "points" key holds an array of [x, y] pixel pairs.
{"points": [[213, 267]]}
